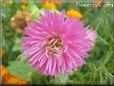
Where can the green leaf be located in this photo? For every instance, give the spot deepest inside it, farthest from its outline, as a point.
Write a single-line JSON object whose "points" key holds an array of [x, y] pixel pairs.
{"points": [[36, 77], [35, 11], [17, 46], [20, 69], [105, 42], [63, 79]]}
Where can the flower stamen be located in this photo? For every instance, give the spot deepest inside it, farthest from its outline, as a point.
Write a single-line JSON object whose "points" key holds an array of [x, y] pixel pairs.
{"points": [[53, 46]]}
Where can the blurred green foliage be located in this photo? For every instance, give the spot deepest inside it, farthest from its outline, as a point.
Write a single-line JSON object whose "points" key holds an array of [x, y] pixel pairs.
{"points": [[100, 66]]}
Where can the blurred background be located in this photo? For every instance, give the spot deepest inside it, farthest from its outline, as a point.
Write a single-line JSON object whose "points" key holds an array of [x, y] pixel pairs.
{"points": [[17, 14]]}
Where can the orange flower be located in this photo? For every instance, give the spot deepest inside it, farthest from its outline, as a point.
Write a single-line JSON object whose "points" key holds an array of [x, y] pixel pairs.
{"points": [[7, 78], [74, 14], [15, 80], [2, 52], [49, 4], [57, 2], [20, 20], [4, 71]]}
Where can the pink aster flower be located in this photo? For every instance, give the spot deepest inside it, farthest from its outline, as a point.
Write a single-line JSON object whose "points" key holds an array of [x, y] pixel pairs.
{"points": [[55, 44], [92, 35]]}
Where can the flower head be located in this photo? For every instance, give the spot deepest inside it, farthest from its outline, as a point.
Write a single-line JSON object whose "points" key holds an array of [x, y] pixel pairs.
{"points": [[74, 14], [4, 71], [92, 35], [20, 20], [49, 4], [55, 45]]}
